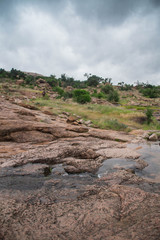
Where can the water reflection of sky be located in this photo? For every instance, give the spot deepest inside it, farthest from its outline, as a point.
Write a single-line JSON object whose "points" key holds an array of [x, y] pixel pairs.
{"points": [[151, 154]]}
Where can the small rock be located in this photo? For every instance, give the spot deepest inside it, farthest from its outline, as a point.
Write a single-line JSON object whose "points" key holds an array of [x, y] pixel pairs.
{"points": [[66, 113], [62, 116], [145, 135], [20, 81], [81, 121], [71, 169], [130, 170], [58, 170], [153, 137], [47, 120], [88, 122], [71, 119], [16, 100], [75, 123], [141, 164]]}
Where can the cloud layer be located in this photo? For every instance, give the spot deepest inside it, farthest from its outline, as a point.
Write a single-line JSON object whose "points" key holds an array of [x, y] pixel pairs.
{"points": [[109, 38]]}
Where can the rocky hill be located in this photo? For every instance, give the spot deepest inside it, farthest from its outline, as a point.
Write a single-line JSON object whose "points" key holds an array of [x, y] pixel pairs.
{"points": [[51, 155]]}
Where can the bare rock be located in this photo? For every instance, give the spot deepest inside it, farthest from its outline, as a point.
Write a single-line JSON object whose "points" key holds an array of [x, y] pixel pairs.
{"points": [[153, 137], [20, 81], [71, 119], [78, 129], [141, 164], [30, 136]]}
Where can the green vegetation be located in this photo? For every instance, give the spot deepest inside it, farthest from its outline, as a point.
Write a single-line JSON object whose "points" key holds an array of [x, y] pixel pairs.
{"points": [[149, 115], [111, 94], [81, 96], [125, 87], [132, 114], [149, 90], [102, 116]]}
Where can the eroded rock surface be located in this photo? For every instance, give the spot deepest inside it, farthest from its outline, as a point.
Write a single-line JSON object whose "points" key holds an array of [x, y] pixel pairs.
{"points": [[49, 188]]}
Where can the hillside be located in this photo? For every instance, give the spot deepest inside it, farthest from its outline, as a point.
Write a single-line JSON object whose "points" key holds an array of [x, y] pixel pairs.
{"points": [[96, 100], [55, 181]]}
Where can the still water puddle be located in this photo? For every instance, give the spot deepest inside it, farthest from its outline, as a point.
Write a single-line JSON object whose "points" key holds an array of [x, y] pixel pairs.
{"points": [[150, 153], [114, 164]]}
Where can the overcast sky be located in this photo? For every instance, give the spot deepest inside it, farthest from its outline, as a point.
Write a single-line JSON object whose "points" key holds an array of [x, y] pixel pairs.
{"points": [[110, 38]]}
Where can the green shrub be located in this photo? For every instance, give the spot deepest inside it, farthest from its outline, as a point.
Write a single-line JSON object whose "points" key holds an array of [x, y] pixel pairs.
{"points": [[125, 87], [99, 95], [93, 80], [113, 96], [107, 88], [67, 95], [150, 92], [30, 80], [149, 115], [95, 91], [52, 82], [59, 90], [81, 96]]}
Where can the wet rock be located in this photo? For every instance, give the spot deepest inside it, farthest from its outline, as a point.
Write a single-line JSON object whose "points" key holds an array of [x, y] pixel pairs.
{"points": [[40, 201], [130, 170], [72, 170], [28, 169], [81, 209], [141, 164], [58, 170]]}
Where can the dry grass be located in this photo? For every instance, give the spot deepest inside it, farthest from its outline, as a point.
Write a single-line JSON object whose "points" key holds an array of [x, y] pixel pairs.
{"points": [[102, 116]]}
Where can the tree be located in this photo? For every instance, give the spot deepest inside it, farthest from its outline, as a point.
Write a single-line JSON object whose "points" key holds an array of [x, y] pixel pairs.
{"points": [[107, 80], [94, 80]]}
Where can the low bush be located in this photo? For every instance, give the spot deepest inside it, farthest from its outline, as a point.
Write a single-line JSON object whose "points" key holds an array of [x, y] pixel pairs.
{"points": [[149, 115], [113, 96], [59, 90], [99, 95], [81, 96], [67, 95], [107, 88]]}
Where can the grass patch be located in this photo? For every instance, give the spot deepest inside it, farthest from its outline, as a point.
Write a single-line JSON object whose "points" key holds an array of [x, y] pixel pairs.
{"points": [[102, 116], [113, 124]]}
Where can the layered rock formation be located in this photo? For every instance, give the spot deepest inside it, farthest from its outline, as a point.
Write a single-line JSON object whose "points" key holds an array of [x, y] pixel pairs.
{"points": [[49, 188]]}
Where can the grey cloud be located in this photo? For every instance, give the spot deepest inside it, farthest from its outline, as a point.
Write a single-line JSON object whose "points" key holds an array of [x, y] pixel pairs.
{"points": [[110, 38], [112, 12]]}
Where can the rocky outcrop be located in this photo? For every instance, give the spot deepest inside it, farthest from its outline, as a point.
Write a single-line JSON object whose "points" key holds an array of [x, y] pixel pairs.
{"points": [[49, 187], [79, 208]]}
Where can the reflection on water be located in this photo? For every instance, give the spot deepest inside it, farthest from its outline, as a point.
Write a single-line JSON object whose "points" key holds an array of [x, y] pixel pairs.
{"points": [[151, 154], [114, 164]]}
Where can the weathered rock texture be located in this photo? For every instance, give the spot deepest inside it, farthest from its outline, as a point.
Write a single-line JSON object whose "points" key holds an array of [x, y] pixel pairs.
{"points": [[41, 199]]}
